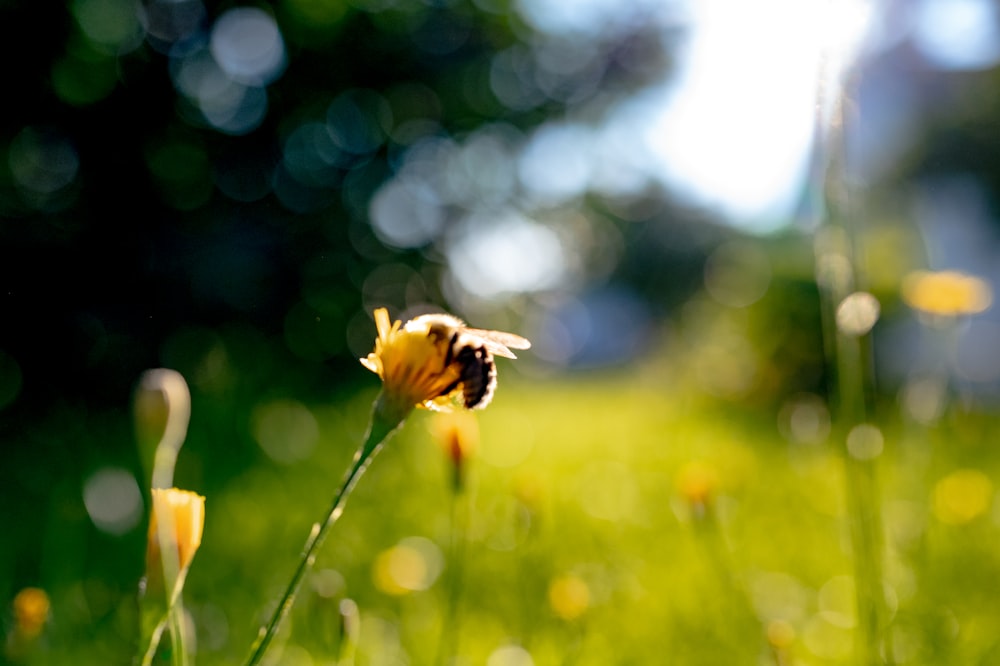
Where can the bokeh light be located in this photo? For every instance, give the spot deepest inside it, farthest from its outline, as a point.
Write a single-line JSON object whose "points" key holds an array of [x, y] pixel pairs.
{"points": [[113, 500], [924, 399], [224, 73], [510, 655], [960, 34], [778, 595], [286, 430], [737, 275], [858, 313], [556, 163], [44, 165], [508, 255], [804, 419], [113, 25], [247, 45], [411, 565], [865, 442], [170, 22]]}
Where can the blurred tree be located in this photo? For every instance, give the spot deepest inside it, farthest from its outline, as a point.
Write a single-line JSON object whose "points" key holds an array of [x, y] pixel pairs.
{"points": [[170, 165]]}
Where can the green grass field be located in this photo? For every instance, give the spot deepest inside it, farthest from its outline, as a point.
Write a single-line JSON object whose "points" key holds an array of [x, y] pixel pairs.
{"points": [[606, 519]]}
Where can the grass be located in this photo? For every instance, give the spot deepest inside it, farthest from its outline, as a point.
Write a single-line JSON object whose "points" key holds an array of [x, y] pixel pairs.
{"points": [[578, 479]]}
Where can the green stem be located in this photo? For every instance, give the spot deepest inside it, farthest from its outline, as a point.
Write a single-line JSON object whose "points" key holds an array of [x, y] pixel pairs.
{"points": [[863, 506], [153, 643], [448, 640], [386, 418], [179, 644]]}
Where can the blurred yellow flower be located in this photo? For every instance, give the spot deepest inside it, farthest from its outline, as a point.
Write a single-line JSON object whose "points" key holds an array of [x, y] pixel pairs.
{"points": [[780, 634], [697, 483], [946, 293], [962, 496], [435, 361], [31, 611], [182, 514], [569, 597], [458, 435]]}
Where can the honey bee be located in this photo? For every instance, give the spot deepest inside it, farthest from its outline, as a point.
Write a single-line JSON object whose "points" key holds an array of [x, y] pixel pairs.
{"points": [[471, 350]]}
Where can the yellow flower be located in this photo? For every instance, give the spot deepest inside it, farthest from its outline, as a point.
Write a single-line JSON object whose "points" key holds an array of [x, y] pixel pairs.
{"points": [[458, 435], [169, 551], [962, 496], [946, 293], [436, 362], [698, 484], [31, 610], [569, 597]]}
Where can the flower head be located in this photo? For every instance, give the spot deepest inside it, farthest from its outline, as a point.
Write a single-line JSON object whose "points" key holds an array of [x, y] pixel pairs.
{"points": [[698, 484], [437, 362], [175, 527], [946, 293], [31, 610]]}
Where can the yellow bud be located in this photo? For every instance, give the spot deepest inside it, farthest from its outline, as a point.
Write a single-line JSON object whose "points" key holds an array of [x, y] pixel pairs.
{"points": [[175, 528]]}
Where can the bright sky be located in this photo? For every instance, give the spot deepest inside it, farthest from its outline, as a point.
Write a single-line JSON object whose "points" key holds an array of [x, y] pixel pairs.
{"points": [[734, 129]]}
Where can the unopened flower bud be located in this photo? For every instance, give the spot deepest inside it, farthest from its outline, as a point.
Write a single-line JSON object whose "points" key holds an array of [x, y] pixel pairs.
{"points": [[175, 528]]}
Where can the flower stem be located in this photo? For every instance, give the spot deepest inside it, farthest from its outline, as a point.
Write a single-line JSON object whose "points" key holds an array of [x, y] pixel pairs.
{"points": [[386, 418], [153, 631], [179, 646], [448, 640]]}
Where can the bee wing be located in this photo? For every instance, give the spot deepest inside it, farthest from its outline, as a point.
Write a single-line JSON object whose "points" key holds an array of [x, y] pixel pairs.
{"points": [[500, 342]]}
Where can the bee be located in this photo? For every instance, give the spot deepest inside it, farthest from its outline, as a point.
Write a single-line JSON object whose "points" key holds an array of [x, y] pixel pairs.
{"points": [[471, 350]]}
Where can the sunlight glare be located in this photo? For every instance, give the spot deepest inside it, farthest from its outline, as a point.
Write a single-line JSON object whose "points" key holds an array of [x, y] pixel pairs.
{"points": [[735, 129]]}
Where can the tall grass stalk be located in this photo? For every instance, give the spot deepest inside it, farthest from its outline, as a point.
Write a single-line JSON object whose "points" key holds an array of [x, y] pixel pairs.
{"points": [[848, 352], [384, 422]]}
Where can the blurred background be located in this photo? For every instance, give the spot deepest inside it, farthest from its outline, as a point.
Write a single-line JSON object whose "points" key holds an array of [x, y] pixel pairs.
{"points": [[230, 189]]}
